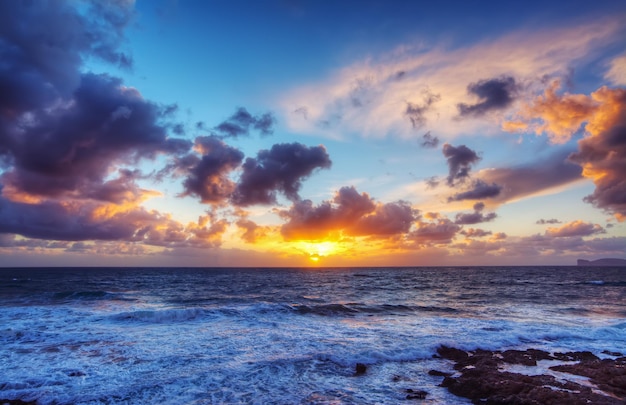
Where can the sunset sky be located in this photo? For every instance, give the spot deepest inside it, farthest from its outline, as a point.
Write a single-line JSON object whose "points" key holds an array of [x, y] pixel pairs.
{"points": [[312, 133]]}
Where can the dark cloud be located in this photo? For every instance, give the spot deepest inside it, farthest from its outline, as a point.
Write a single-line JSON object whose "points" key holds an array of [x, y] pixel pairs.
{"points": [[603, 154], [439, 231], [74, 147], [416, 111], [63, 132], [350, 212], [475, 217], [493, 94], [479, 191], [575, 228], [309, 222], [207, 175], [475, 233], [547, 221], [240, 123], [280, 169], [75, 221], [533, 177], [429, 141], [460, 160], [387, 219], [43, 44]]}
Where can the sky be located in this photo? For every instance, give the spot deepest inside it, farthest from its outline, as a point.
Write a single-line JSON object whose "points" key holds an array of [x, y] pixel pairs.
{"points": [[311, 133]]}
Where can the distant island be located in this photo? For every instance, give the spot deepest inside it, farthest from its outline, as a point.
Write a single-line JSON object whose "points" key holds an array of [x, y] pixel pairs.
{"points": [[602, 262]]}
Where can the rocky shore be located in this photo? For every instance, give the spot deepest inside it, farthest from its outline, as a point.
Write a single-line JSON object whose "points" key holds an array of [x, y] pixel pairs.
{"points": [[487, 377]]}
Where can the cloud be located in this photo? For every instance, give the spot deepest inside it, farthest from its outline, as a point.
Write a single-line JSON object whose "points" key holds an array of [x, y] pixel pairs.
{"points": [[73, 221], [558, 116], [476, 217], [539, 176], [73, 147], [429, 141], [280, 169], [416, 112], [575, 228], [479, 191], [602, 154], [617, 71], [387, 219], [460, 159], [252, 231], [475, 233], [493, 94], [34, 71], [309, 222], [547, 221], [526, 55], [349, 213], [64, 132], [240, 123], [440, 231], [208, 175]]}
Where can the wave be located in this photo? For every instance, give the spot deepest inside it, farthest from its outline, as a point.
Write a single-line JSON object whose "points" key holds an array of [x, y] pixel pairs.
{"points": [[161, 316], [352, 309], [607, 283], [89, 295]]}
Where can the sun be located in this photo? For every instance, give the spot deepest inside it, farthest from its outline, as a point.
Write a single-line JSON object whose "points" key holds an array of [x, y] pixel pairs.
{"points": [[318, 250]]}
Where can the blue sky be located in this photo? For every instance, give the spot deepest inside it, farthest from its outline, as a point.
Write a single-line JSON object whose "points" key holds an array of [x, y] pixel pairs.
{"points": [[294, 133]]}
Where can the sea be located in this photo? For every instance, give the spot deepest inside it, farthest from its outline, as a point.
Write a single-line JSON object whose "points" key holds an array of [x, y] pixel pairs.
{"points": [[284, 336]]}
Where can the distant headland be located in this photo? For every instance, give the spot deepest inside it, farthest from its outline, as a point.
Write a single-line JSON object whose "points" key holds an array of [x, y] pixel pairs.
{"points": [[602, 262]]}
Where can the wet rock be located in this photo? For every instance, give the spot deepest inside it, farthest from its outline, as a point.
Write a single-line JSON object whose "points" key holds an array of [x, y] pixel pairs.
{"points": [[483, 381], [527, 357], [614, 354], [416, 394], [360, 369], [608, 374], [451, 353], [438, 373], [576, 356]]}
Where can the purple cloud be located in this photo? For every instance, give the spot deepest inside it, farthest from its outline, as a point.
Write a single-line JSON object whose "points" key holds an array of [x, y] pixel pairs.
{"points": [[240, 123], [494, 94], [476, 217], [280, 169], [208, 176], [479, 191], [460, 160]]}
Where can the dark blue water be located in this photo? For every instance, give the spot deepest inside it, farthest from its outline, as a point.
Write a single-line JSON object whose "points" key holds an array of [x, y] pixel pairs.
{"points": [[199, 336]]}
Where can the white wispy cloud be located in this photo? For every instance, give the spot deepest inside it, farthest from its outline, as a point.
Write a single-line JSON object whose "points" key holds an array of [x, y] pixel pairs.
{"points": [[370, 97]]}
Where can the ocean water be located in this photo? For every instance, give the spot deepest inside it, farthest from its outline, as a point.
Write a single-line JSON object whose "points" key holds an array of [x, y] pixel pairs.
{"points": [[284, 336]]}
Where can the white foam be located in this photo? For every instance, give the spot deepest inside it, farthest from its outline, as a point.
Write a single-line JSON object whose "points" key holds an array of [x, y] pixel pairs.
{"points": [[128, 352]]}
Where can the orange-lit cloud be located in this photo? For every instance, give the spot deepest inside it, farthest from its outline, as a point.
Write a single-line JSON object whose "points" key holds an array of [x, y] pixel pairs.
{"points": [[575, 228], [349, 213], [602, 152], [558, 116]]}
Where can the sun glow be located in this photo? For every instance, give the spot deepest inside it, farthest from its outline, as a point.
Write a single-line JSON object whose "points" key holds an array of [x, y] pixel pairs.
{"points": [[318, 250]]}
